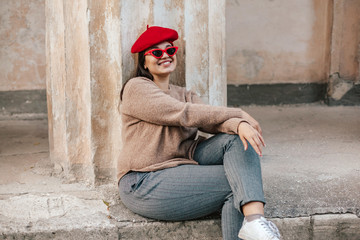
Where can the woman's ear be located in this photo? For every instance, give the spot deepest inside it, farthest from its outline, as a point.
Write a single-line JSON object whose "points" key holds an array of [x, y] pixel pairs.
{"points": [[145, 67]]}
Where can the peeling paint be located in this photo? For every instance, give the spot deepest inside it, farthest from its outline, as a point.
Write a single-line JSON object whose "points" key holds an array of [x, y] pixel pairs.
{"points": [[217, 90], [112, 30], [197, 51]]}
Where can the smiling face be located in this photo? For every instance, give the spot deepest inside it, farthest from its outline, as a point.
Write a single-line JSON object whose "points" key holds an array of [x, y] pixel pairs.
{"points": [[160, 67]]}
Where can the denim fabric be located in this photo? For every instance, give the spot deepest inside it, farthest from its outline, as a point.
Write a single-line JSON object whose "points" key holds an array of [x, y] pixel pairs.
{"points": [[226, 178]]}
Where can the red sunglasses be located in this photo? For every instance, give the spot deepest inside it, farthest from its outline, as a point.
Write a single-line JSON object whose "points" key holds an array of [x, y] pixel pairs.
{"points": [[158, 53]]}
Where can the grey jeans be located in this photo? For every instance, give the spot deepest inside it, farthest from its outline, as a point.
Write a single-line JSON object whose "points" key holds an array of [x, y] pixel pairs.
{"points": [[226, 178]]}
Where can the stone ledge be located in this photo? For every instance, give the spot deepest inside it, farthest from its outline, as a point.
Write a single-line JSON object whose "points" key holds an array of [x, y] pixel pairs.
{"points": [[337, 227], [75, 234], [317, 227], [83, 214]]}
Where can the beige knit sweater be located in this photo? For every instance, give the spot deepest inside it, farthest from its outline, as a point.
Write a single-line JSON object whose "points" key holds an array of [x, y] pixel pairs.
{"points": [[159, 127]]}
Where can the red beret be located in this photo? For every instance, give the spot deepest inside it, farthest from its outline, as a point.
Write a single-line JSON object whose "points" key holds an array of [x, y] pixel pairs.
{"points": [[152, 36]]}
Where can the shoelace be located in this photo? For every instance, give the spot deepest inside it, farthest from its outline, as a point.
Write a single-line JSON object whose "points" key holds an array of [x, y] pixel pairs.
{"points": [[274, 229], [270, 228]]}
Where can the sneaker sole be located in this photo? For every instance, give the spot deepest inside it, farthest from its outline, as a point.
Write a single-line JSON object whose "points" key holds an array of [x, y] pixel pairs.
{"points": [[245, 237]]}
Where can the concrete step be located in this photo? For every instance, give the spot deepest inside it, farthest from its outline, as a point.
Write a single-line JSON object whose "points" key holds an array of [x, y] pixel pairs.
{"points": [[82, 215]]}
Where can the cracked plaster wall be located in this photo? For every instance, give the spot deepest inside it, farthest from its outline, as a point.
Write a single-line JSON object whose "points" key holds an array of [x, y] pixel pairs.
{"points": [[22, 45], [274, 41], [277, 41]]}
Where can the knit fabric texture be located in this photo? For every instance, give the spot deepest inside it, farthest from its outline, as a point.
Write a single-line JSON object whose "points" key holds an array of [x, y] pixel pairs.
{"points": [[159, 128]]}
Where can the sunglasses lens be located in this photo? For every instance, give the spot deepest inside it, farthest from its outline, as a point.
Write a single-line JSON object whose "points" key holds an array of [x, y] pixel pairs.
{"points": [[157, 53], [171, 51]]}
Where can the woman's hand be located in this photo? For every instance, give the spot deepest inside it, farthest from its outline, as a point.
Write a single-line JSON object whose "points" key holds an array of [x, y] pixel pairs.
{"points": [[248, 133], [252, 122]]}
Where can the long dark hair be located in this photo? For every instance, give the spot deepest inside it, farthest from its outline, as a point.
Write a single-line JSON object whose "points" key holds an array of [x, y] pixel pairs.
{"points": [[140, 71]]}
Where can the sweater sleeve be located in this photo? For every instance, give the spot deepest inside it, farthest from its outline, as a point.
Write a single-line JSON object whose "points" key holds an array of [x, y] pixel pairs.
{"points": [[229, 126], [143, 100]]}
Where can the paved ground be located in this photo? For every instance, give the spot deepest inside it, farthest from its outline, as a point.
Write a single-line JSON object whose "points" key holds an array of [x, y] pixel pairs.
{"points": [[311, 169]]}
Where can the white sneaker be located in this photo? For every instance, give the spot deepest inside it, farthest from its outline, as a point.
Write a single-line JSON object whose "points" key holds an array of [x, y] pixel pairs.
{"points": [[259, 229]]}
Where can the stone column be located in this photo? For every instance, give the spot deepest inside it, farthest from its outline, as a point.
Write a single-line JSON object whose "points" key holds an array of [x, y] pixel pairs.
{"points": [[106, 82], [217, 59], [344, 80], [55, 84], [68, 88], [205, 49], [83, 85], [77, 90]]}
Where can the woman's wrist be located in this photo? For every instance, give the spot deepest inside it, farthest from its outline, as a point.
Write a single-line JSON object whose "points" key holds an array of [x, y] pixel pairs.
{"points": [[243, 121]]}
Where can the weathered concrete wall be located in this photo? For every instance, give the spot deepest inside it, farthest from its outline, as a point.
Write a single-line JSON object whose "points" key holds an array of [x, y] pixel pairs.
{"points": [[22, 45], [278, 41], [267, 42]]}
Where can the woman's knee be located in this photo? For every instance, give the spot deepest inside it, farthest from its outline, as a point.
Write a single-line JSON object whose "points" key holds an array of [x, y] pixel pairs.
{"points": [[228, 138], [234, 140]]}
